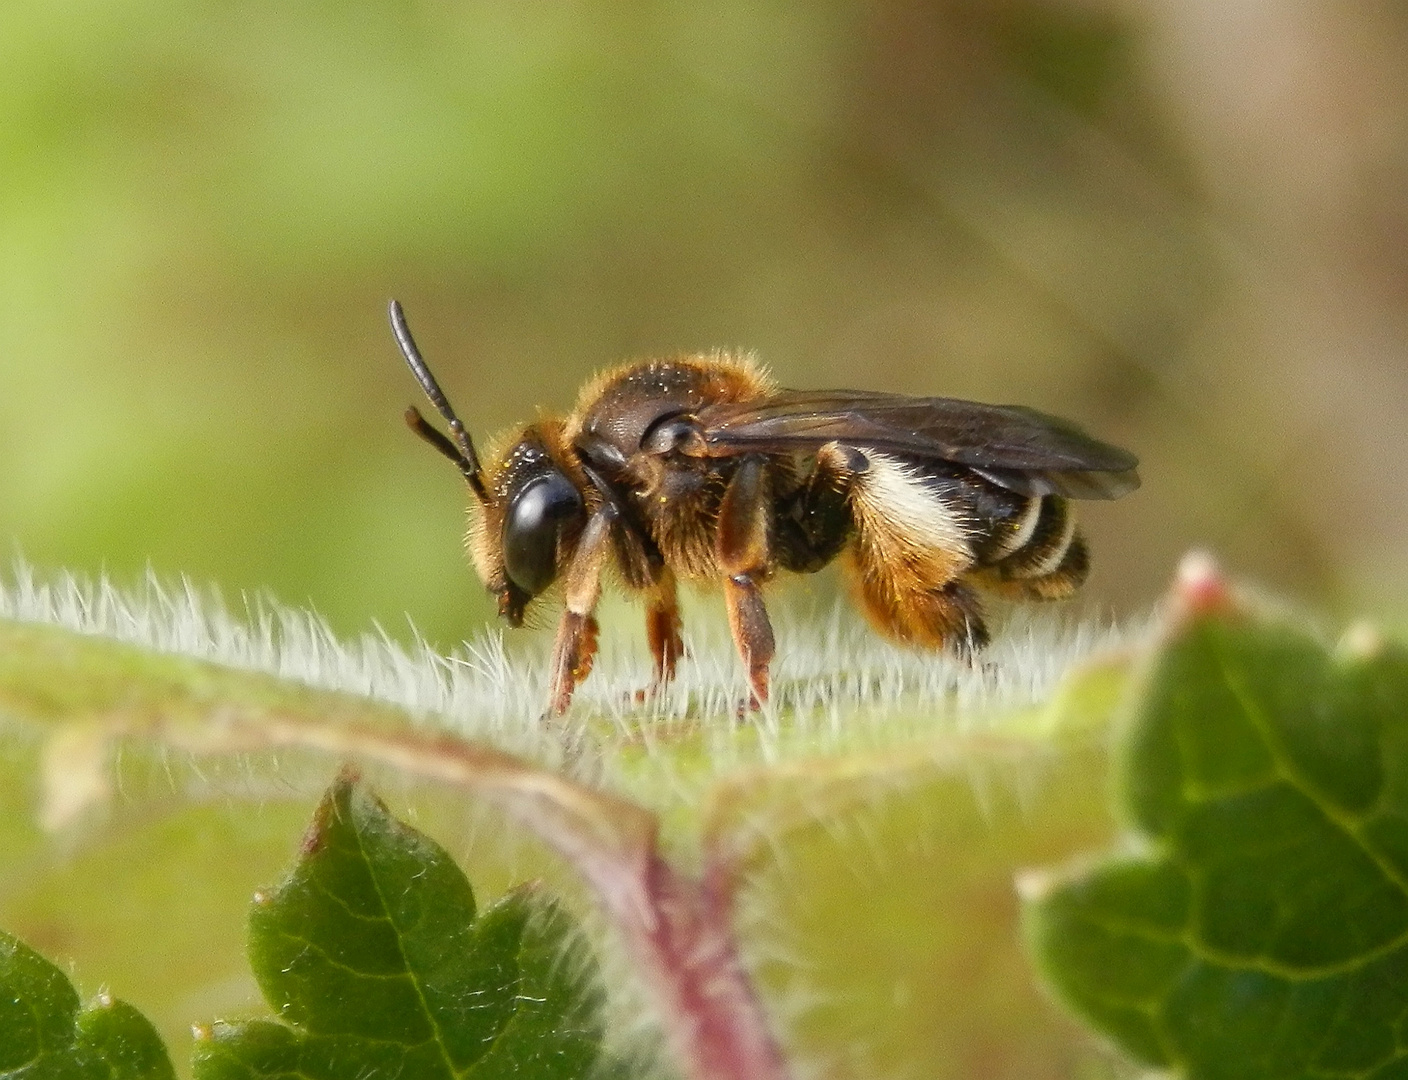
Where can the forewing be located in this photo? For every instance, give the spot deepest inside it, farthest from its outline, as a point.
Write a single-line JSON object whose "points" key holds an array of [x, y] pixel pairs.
{"points": [[1015, 447]]}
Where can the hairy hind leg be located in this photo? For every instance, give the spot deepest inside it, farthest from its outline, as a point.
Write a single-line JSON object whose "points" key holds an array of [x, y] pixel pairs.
{"points": [[909, 556], [935, 616]]}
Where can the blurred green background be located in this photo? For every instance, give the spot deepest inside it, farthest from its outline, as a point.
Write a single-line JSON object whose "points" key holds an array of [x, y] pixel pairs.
{"points": [[1183, 224]]}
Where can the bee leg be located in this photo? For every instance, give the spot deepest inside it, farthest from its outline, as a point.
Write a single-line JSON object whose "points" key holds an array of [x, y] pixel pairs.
{"points": [[742, 548], [575, 646], [913, 612], [662, 629], [957, 607], [909, 561]]}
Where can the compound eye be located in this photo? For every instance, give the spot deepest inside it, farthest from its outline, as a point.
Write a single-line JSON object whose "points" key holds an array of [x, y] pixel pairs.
{"points": [[535, 519]]}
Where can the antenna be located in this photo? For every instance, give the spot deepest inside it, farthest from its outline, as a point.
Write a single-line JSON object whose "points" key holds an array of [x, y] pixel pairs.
{"points": [[461, 450]]}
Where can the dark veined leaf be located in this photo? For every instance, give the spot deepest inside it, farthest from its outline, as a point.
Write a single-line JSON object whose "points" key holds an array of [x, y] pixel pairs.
{"points": [[374, 959], [1259, 929], [45, 1035]]}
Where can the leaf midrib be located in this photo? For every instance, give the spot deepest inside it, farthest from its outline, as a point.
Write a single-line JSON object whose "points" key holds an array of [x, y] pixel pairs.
{"points": [[435, 1027]]}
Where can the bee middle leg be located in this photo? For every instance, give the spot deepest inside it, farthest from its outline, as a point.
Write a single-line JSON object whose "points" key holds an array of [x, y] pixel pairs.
{"points": [[742, 550], [663, 629], [575, 646]]}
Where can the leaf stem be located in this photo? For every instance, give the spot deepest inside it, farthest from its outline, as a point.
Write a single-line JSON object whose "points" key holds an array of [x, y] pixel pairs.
{"points": [[677, 928]]}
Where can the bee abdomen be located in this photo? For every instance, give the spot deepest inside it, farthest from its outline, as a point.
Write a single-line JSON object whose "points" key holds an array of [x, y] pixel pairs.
{"points": [[1009, 534], [1052, 530], [1040, 555]]}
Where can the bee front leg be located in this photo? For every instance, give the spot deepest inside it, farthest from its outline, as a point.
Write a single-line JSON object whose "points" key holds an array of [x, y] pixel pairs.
{"points": [[742, 549], [575, 646]]}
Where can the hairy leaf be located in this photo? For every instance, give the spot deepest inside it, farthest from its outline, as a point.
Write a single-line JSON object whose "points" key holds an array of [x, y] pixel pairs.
{"points": [[881, 778], [373, 956], [45, 1035], [1262, 928]]}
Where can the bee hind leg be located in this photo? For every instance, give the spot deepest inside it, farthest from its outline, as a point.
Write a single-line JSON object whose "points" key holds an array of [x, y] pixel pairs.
{"points": [[742, 549], [949, 618], [907, 608]]}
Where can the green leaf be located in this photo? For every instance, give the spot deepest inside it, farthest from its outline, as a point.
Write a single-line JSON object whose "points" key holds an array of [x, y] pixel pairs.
{"points": [[372, 954], [1261, 927], [45, 1036]]}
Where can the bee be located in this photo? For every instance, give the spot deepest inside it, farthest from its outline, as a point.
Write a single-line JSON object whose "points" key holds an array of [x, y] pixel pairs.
{"points": [[699, 468]]}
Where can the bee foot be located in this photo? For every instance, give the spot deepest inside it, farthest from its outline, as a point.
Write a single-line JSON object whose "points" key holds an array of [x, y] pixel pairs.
{"points": [[746, 706], [645, 694]]}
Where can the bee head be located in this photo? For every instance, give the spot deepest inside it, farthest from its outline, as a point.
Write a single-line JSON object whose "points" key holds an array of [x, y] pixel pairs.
{"points": [[529, 523], [530, 510]]}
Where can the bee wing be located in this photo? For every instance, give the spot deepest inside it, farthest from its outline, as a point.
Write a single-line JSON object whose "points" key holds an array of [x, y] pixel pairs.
{"points": [[1017, 448]]}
